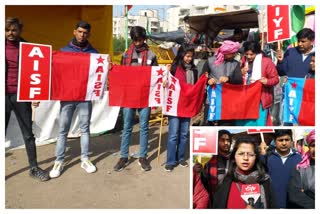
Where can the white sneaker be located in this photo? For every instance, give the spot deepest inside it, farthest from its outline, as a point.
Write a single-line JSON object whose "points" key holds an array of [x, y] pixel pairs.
{"points": [[56, 170], [88, 166]]}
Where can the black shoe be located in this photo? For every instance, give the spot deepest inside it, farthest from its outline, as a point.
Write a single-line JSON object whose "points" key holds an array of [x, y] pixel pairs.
{"points": [[183, 163], [122, 163], [145, 165], [168, 168], [38, 173]]}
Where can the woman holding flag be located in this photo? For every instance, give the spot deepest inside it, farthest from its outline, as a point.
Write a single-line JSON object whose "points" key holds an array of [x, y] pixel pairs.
{"points": [[257, 67], [184, 69]]}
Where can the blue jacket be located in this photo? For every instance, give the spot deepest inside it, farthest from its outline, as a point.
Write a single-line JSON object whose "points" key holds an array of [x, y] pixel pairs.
{"points": [[73, 48], [292, 64], [280, 174]]}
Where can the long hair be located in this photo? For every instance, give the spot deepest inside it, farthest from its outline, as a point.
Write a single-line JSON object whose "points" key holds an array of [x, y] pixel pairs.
{"points": [[258, 163], [178, 60]]}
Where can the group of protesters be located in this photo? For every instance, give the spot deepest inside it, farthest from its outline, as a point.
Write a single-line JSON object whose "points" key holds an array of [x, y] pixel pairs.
{"points": [[285, 176], [254, 65], [138, 54], [222, 67]]}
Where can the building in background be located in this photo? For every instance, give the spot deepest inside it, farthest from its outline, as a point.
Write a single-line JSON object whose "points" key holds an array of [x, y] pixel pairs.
{"points": [[174, 17], [176, 14], [148, 19]]}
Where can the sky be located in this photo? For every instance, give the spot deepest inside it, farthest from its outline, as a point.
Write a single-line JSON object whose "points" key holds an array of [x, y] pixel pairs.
{"points": [[118, 10]]}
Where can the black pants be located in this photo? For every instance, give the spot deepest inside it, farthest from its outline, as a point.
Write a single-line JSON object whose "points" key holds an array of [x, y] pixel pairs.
{"points": [[23, 113]]}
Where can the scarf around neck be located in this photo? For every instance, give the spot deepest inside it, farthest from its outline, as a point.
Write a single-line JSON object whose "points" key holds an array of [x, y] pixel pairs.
{"points": [[143, 50], [81, 45]]}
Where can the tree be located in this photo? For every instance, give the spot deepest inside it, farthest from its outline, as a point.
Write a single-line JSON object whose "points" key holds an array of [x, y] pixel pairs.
{"points": [[119, 44]]}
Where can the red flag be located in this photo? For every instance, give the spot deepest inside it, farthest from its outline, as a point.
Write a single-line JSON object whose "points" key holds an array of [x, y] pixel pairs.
{"points": [[241, 101], [234, 102], [182, 99], [78, 76], [307, 109], [136, 86], [127, 8]]}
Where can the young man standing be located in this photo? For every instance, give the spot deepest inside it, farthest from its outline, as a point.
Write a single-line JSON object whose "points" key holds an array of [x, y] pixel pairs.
{"points": [[22, 110], [296, 61], [280, 164], [216, 168], [138, 54], [79, 43]]}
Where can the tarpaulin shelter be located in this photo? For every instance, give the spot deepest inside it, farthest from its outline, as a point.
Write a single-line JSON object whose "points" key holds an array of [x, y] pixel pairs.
{"points": [[53, 25], [177, 36], [212, 24]]}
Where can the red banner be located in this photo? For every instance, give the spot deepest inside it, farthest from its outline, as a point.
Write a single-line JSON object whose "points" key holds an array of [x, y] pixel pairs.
{"points": [[204, 140], [34, 72], [278, 22], [307, 109]]}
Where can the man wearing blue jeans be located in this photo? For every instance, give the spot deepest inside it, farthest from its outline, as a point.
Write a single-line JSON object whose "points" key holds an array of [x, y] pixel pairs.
{"points": [[79, 43], [138, 54]]}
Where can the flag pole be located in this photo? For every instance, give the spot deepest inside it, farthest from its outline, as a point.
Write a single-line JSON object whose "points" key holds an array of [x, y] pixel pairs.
{"points": [[126, 34], [161, 123], [160, 134], [33, 113]]}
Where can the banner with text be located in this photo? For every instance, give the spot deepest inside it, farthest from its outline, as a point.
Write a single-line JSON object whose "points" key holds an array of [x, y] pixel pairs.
{"points": [[34, 72]]}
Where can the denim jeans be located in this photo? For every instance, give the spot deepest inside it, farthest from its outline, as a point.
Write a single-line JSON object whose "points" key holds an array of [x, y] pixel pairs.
{"points": [[128, 121], [23, 114], [66, 113], [177, 139]]}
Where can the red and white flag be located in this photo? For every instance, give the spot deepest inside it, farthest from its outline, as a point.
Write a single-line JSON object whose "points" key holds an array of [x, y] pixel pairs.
{"points": [[182, 99], [142, 86], [136, 86], [78, 76]]}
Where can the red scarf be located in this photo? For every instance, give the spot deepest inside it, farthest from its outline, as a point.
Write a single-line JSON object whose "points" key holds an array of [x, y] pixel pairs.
{"points": [[143, 50]]}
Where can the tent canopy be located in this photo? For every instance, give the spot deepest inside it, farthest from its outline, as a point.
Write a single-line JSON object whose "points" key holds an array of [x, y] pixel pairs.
{"points": [[177, 36], [211, 24]]}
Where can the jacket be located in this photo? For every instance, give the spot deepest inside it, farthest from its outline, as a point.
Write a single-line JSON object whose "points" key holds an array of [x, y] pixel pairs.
{"points": [[292, 64], [200, 194], [220, 198], [73, 48], [230, 69], [269, 71], [280, 174], [301, 188]]}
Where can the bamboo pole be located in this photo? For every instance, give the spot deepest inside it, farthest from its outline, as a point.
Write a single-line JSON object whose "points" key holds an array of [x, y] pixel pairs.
{"points": [[161, 123]]}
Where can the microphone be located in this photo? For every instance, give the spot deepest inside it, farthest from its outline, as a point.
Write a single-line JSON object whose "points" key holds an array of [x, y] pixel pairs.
{"points": [[251, 201], [250, 193]]}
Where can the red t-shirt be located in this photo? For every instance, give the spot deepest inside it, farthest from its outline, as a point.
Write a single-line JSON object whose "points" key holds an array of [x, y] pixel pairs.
{"points": [[12, 52]]}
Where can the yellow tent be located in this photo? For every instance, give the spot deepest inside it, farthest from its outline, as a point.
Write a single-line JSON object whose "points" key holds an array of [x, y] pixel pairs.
{"points": [[53, 25]]}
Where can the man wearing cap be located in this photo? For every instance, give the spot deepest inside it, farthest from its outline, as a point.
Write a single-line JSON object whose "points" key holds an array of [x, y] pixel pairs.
{"points": [[222, 68]]}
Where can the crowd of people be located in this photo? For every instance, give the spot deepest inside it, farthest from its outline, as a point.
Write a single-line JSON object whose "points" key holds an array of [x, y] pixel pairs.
{"points": [[220, 180], [285, 176]]}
